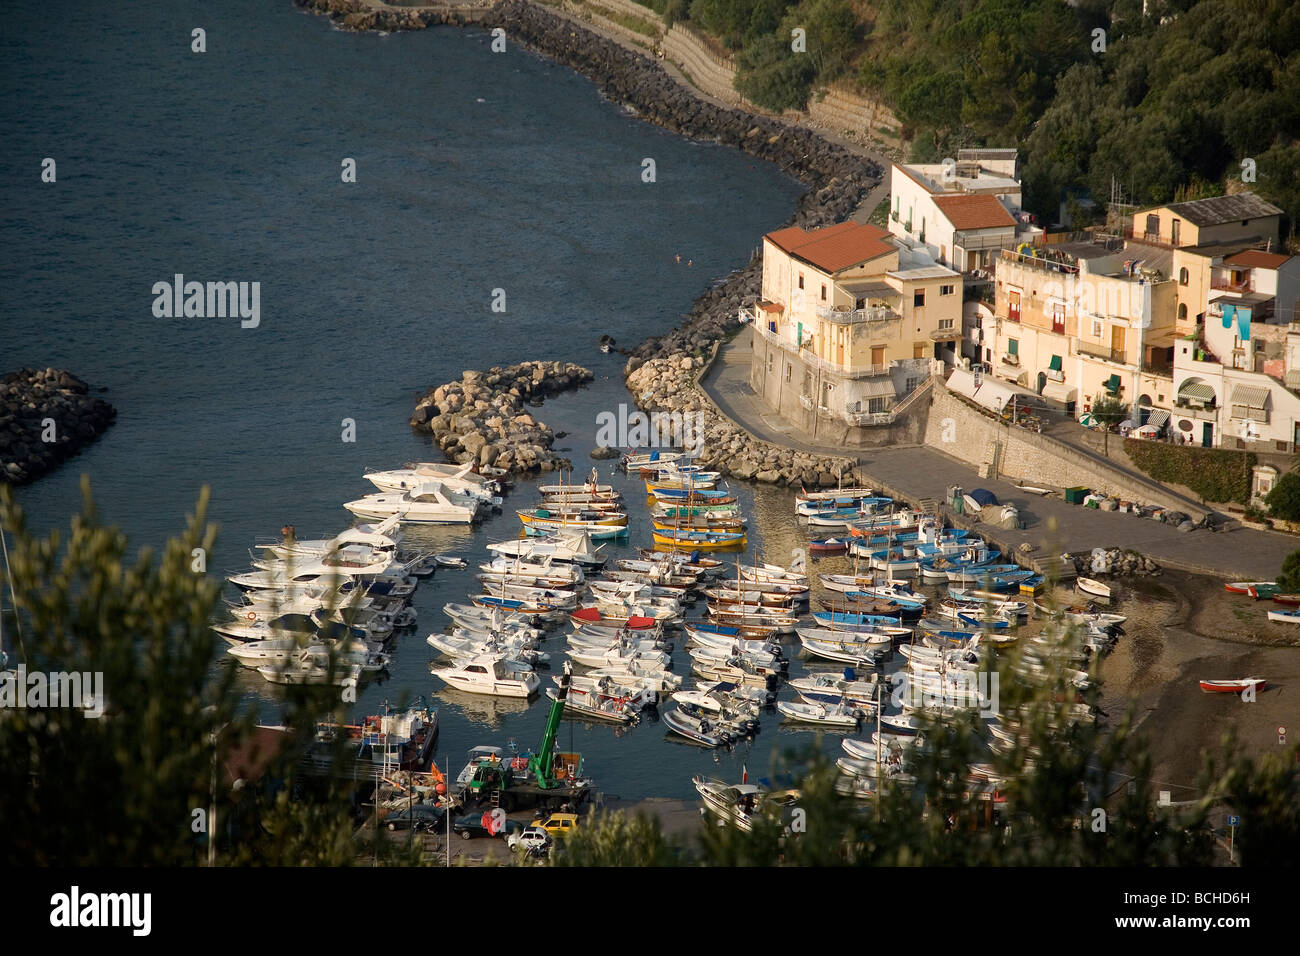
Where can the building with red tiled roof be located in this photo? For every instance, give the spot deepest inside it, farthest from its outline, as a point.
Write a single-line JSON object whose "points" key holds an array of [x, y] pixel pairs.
{"points": [[843, 327]]}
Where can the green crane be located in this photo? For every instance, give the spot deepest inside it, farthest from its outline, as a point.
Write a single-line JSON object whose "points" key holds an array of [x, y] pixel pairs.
{"points": [[540, 764]]}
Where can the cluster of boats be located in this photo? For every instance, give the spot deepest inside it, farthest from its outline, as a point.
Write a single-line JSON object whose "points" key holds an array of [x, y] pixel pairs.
{"points": [[323, 611]]}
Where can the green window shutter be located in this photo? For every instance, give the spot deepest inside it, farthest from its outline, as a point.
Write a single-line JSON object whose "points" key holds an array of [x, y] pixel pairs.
{"points": [[1055, 365], [1013, 347]]}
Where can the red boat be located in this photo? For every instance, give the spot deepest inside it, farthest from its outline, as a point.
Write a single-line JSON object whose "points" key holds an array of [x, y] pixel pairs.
{"points": [[1242, 587], [1233, 686], [1290, 599], [828, 547], [591, 615]]}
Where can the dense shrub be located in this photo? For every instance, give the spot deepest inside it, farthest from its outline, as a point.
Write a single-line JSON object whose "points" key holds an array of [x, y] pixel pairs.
{"points": [[1215, 474]]}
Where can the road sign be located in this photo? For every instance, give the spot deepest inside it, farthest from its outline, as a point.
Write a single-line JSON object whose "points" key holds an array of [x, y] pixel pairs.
{"points": [[1234, 821]]}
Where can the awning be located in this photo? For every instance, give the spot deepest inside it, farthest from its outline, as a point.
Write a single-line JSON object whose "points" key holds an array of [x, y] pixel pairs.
{"points": [[1198, 391], [877, 388], [1060, 392], [1111, 384], [1159, 417], [1011, 372], [1055, 364], [1252, 396], [1293, 379]]}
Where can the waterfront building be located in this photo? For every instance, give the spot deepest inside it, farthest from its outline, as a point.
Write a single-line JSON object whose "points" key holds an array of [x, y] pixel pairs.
{"points": [[848, 325], [961, 212]]}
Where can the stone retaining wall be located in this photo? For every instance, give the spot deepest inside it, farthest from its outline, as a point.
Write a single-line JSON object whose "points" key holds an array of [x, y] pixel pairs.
{"points": [[1031, 458]]}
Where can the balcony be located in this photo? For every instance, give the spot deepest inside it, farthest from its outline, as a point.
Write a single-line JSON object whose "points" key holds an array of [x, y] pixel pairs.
{"points": [[1241, 288], [866, 419], [1118, 356], [945, 335], [1209, 414], [894, 216], [1038, 262], [842, 316]]}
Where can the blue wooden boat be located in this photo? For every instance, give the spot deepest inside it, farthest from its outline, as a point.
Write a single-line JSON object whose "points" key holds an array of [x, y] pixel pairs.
{"points": [[848, 620]]}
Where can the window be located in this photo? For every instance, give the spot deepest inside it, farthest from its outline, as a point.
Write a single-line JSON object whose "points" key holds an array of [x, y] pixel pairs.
{"points": [[1177, 224], [945, 290], [912, 384], [1058, 318], [945, 323], [769, 363], [918, 298], [1013, 347], [1182, 310], [1182, 276], [875, 405], [1096, 328], [859, 303], [1013, 306], [1153, 225], [823, 291], [801, 280]]}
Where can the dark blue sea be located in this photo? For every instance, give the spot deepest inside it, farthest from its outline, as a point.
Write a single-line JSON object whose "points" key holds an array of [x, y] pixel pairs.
{"points": [[475, 171]]}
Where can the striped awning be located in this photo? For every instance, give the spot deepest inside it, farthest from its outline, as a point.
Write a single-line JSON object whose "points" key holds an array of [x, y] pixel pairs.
{"points": [[1252, 396], [1293, 379], [1198, 391], [877, 388], [1159, 417]]}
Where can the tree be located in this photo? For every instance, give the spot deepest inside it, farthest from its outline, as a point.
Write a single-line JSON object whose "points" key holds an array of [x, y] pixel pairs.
{"points": [[1289, 579], [135, 787], [1284, 500], [1108, 412]]}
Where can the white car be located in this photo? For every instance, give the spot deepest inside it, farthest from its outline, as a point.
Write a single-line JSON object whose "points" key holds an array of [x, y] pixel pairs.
{"points": [[528, 838]]}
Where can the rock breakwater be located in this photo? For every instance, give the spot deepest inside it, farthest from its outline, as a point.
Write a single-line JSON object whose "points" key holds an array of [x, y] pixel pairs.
{"points": [[46, 417], [482, 418]]}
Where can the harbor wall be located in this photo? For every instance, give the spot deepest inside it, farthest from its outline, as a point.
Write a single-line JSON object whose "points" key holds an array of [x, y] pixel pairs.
{"points": [[966, 433]]}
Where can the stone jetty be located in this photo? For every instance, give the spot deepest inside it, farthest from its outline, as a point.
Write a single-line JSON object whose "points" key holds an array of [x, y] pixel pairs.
{"points": [[482, 418], [46, 417]]}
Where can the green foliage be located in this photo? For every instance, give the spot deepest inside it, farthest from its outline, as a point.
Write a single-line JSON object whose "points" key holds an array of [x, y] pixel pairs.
{"points": [[1284, 500], [773, 77], [616, 839], [1289, 579], [1087, 799], [122, 790], [1217, 475], [1109, 411]]}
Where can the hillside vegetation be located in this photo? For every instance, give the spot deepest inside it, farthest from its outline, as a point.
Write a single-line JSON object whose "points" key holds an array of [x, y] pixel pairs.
{"points": [[1165, 106]]}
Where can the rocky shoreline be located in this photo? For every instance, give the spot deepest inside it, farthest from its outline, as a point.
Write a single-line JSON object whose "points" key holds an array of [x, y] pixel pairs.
{"points": [[480, 418], [661, 372], [46, 417]]}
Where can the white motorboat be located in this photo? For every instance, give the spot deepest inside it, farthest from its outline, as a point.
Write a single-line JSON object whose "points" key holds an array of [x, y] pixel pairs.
{"points": [[430, 503], [618, 657], [837, 715], [459, 479], [700, 730], [383, 538], [277, 650], [637, 674], [489, 674]]}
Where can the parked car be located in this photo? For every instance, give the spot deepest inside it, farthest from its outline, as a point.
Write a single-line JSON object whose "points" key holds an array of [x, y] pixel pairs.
{"points": [[528, 838], [474, 825], [558, 824], [420, 816]]}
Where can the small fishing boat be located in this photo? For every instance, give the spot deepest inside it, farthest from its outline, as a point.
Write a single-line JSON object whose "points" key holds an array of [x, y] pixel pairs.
{"points": [[1262, 592], [450, 561], [828, 547], [1243, 587], [1233, 686], [1290, 600], [701, 540], [1093, 587], [1285, 617]]}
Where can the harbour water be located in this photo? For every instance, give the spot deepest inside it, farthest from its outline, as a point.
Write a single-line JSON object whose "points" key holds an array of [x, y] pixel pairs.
{"points": [[475, 172]]}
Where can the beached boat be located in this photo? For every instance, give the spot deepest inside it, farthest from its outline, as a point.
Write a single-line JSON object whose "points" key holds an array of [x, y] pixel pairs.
{"points": [[1261, 592], [1285, 617], [1290, 600], [1233, 686], [1093, 587], [1243, 587]]}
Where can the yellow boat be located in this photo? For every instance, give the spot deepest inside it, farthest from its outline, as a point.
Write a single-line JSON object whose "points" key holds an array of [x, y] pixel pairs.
{"points": [[700, 540]]}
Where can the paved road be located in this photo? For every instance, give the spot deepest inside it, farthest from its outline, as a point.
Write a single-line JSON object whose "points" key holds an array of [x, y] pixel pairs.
{"points": [[1052, 525]]}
